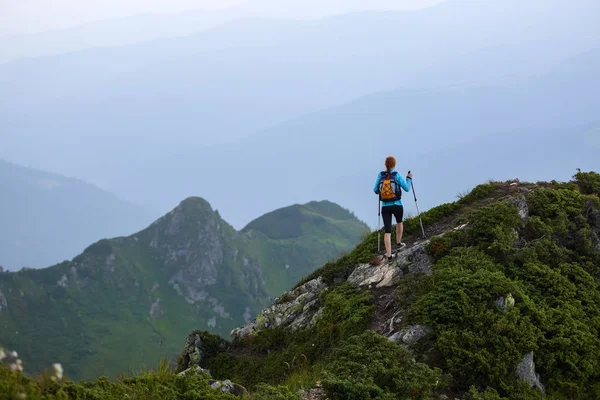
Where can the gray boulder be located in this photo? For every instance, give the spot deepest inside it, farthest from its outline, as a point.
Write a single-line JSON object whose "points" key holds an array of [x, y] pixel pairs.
{"points": [[228, 387], [526, 372], [411, 335], [411, 260], [194, 370]]}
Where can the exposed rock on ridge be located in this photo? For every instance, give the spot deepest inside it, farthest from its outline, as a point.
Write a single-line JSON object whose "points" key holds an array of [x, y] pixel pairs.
{"points": [[296, 309]]}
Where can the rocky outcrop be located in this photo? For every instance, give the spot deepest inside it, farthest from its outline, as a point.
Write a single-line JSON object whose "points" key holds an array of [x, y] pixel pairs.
{"points": [[526, 372], [194, 370], [193, 351], [228, 387], [155, 310], [3, 302], [411, 260], [317, 393], [521, 203], [411, 335], [63, 282], [505, 303], [223, 386], [296, 309]]}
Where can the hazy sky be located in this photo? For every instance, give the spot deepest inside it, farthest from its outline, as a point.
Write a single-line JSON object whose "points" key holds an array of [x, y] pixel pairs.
{"points": [[29, 16]]}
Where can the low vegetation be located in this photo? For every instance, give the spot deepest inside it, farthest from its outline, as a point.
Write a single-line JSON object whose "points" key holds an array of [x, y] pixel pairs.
{"points": [[504, 285]]}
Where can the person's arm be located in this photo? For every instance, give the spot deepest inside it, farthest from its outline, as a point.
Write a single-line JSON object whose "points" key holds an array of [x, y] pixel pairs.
{"points": [[404, 183], [376, 188]]}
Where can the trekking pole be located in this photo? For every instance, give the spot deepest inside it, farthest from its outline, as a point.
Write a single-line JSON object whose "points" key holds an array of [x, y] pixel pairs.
{"points": [[416, 205], [378, 226]]}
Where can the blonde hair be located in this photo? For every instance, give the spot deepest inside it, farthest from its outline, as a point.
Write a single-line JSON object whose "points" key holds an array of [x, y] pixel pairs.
{"points": [[390, 163]]}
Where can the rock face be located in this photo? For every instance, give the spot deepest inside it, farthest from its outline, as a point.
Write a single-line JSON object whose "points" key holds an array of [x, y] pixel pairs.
{"points": [[195, 254], [155, 310], [296, 309], [521, 203], [193, 352], [412, 260], [526, 372]]}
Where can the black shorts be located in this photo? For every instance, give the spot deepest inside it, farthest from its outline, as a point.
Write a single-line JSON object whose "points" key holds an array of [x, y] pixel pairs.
{"points": [[387, 212]]}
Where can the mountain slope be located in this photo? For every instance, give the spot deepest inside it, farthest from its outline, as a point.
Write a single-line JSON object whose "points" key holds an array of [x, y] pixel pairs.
{"points": [[130, 300], [501, 301], [299, 237], [47, 218]]}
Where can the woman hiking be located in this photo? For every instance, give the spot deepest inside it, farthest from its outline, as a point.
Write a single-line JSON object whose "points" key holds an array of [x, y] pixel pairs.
{"points": [[389, 187]]}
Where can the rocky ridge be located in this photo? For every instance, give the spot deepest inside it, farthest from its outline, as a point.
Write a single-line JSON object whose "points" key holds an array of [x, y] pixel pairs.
{"points": [[300, 308]]}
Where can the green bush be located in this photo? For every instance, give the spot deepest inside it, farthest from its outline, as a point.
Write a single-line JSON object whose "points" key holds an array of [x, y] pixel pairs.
{"points": [[588, 182], [267, 392], [479, 342], [369, 366], [549, 266], [347, 312]]}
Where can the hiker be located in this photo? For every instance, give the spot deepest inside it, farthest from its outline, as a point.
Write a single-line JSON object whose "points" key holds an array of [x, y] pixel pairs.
{"points": [[389, 187]]}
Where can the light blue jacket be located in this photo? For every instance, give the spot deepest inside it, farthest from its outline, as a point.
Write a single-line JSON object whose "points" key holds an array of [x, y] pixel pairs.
{"points": [[405, 184]]}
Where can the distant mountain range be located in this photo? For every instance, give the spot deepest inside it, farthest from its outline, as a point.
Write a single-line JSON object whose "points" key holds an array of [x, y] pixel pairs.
{"points": [[149, 26], [223, 84], [131, 300], [336, 153], [47, 218], [316, 103]]}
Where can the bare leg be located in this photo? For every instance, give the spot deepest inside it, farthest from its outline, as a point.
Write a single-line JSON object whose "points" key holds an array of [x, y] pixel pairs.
{"points": [[387, 238], [399, 232]]}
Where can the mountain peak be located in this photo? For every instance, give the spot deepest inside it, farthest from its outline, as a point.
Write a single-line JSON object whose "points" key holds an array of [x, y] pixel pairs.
{"points": [[195, 202]]}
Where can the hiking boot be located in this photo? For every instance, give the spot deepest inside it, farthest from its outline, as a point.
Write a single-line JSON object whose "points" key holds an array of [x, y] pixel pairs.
{"points": [[399, 246]]}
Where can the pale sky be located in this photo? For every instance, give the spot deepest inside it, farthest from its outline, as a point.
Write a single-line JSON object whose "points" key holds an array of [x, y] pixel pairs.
{"points": [[30, 16]]}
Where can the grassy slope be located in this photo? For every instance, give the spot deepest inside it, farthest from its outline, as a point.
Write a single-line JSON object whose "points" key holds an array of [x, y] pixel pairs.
{"points": [[552, 270], [292, 240]]}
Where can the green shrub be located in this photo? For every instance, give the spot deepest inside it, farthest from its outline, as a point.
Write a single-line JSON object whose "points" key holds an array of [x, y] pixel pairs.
{"points": [[480, 343], [267, 392], [588, 182], [494, 228], [480, 192], [347, 312], [370, 366]]}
